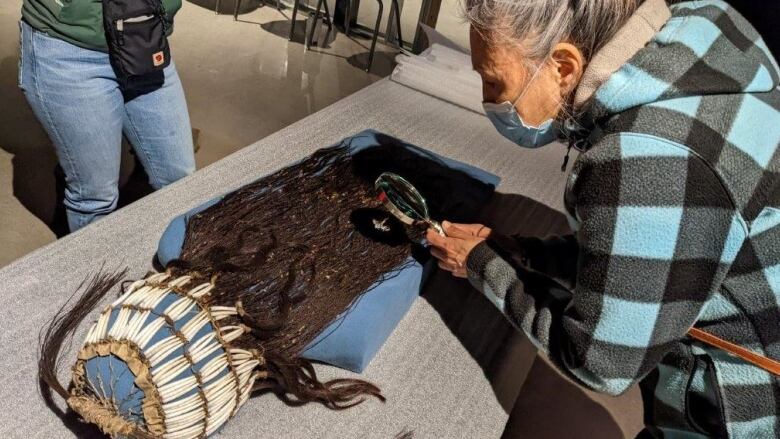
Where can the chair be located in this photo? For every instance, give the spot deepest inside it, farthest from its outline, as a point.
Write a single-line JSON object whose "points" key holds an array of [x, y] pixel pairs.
{"points": [[395, 10], [238, 6], [307, 38]]}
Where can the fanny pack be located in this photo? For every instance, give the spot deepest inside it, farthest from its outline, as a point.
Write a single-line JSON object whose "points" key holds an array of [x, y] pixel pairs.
{"points": [[136, 36]]}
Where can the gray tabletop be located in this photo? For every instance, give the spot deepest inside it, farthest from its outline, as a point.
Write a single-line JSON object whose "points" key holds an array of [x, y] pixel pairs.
{"points": [[452, 368]]}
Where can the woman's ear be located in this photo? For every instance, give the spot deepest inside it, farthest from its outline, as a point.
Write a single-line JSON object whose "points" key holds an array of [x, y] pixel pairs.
{"points": [[570, 65]]}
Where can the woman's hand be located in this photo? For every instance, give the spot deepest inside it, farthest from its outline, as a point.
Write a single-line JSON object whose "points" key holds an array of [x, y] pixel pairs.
{"points": [[453, 250]]}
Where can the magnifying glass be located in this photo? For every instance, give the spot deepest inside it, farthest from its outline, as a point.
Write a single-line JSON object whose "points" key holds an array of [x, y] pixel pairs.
{"points": [[404, 201]]}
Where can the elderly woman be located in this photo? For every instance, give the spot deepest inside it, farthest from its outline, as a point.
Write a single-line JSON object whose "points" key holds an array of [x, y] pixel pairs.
{"points": [[674, 199]]}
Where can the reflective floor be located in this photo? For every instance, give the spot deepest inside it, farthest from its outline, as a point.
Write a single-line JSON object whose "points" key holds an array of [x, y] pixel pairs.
{"points": [[243, 80]]}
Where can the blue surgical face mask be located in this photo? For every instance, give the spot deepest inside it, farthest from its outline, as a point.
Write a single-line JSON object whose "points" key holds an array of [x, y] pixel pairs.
{"points": [[511, 125]]}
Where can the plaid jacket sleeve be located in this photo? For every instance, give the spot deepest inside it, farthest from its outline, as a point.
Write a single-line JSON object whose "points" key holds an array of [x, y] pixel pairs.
{"points": [[657, 234], [553, 256]]}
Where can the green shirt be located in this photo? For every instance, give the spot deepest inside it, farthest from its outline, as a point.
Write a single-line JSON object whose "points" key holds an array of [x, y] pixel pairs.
{"points": [[79, 22]]}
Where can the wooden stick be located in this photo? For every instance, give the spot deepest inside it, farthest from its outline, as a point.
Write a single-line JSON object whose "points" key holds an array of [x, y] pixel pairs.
{"points": [[767, 364]]}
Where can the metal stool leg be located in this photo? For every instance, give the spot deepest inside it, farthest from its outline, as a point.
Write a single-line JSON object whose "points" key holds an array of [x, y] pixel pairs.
{"points": [[327, 14], [352, 10], [292, 21], [398, 23], [376, 33], [347, 17], [216, 7], [329, 20], [235, 11], [310, 37]]}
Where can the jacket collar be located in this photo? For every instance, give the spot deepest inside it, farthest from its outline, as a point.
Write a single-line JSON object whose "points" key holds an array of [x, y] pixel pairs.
{"points": [[640, 28]]}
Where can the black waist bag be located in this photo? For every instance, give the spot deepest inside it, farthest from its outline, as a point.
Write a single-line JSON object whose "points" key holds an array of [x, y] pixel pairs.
{"points": [[136, 36]]}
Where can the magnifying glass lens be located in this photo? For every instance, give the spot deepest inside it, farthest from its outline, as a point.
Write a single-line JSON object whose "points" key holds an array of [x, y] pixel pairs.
{"points": [[403, 200]]}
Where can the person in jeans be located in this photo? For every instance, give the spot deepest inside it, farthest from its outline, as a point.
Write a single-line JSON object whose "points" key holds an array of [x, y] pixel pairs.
{"points": [[66, 77]]}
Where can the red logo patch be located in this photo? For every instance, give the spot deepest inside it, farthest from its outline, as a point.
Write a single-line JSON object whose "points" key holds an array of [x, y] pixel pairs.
{"points": [[158, 59]]}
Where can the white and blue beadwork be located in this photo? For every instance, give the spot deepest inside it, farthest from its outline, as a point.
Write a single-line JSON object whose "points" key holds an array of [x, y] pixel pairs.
{"points": [[159, 357]]}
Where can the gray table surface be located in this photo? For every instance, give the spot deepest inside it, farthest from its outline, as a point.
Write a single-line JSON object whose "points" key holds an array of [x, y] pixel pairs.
{"points": [[443, 377]]}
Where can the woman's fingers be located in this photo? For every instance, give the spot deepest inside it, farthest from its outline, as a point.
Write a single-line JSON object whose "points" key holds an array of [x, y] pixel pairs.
{"points": [[483, 231], [439, 254], [455, 270], [435, 239], [447, 267], [453, 250], [447, 258], [466, 230], [454, 231]]}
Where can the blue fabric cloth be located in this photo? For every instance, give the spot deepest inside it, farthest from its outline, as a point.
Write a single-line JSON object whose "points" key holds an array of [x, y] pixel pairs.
{"points": [[172, 239], [352, 340]]}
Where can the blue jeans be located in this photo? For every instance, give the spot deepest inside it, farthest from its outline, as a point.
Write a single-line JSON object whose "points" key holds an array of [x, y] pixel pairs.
{"points": [[75, 95]]}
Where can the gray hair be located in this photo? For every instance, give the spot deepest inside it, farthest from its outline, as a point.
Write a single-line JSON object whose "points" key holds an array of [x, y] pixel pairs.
{"points": [[538, 25]]}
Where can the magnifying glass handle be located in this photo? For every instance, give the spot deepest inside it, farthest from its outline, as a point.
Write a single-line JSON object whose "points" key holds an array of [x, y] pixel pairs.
{"points": [[436, 226]]}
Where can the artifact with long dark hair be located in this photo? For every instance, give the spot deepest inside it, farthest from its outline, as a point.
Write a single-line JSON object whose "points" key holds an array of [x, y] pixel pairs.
{"points": [[261, 274]]}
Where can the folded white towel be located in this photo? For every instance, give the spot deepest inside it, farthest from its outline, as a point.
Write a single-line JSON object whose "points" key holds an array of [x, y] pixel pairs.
{"points": [[444, 71]]}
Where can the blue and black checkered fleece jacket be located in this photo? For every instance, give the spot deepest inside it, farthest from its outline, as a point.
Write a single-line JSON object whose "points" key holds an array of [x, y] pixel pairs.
{"points": [[676, 212]]}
